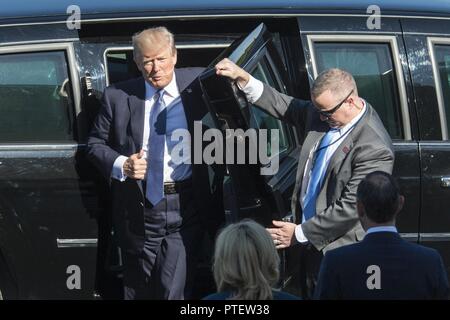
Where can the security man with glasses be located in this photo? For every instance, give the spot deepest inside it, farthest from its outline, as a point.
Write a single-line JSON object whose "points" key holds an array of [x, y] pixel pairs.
{"points": [[344, 141]]}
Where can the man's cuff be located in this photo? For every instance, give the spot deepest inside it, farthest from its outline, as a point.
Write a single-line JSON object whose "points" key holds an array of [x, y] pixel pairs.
{"points": [[299, 235], [117, 170], [253, 89]]}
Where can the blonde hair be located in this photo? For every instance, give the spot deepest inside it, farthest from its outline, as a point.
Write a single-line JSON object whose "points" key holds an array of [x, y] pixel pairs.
{"points": [[246, 261], [338, 82], [152, 36]]}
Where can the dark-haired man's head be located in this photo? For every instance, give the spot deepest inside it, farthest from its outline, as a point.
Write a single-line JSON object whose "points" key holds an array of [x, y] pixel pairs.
{"points": [[378, 200]]}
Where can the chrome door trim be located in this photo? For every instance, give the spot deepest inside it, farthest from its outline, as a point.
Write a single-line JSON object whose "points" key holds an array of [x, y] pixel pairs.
{"points": [[76, 243]]}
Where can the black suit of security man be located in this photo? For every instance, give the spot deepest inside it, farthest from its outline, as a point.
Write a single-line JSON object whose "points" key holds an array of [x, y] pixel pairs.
{"points": [[383, 265]]}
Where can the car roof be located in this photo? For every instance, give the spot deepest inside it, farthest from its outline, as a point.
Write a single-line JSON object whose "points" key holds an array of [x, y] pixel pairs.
{"points": [[50, 10]]}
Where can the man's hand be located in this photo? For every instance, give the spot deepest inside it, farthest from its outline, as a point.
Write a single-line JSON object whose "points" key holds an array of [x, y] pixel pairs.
{"points": [[229, 69], [135, 167], [283, 234]]}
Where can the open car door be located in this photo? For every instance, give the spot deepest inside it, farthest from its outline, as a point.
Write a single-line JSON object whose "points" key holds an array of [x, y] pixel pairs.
{"points": [[260, 151]]}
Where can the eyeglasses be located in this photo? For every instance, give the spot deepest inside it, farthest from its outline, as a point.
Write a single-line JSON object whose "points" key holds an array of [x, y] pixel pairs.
{"points": [[329, 113]]}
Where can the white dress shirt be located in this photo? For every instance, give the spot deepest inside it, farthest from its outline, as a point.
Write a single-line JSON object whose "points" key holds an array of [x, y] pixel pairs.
{"points": [[382, 229], [176, 119]]}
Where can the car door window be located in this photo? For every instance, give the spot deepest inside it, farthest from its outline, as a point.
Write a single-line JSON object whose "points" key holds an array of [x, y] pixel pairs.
{"points": [[442, 56], [260, 119], [120, 65], [372, 67], [34, 103]]}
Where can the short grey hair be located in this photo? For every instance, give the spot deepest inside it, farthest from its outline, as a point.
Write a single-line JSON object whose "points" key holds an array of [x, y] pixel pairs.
{"points": [[339, 82], [152, 35]]}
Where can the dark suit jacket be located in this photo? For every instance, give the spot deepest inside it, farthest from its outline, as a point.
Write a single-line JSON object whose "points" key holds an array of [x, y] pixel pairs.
{"points": [[365, 149], [407, 270], [118, 130]]}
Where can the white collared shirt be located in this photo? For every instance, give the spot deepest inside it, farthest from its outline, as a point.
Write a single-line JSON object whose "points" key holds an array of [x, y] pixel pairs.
{"points": [[176, 119], [382, 229]]}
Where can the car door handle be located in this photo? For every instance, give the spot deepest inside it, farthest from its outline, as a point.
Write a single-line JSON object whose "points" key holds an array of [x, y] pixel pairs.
{"points": [[445, 182]]}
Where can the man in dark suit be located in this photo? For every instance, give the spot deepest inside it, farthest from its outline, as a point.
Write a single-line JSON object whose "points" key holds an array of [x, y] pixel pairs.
{"points": [[158, 215], [383, 265], [345, 140]]}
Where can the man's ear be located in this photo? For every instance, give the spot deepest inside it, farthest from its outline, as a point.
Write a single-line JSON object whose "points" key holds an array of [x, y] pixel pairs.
{"points": [[175, 57], [401, 202], [360, 209]]}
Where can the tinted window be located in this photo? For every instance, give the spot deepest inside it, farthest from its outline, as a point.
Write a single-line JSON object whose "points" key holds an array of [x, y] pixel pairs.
{"points": [[443, 61], [262, 120], [121, 66], [372, 67], [33, 105]]}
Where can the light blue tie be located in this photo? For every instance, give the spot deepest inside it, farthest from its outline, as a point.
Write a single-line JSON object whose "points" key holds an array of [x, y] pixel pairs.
{"points": [[317, 174], [155, 157]]}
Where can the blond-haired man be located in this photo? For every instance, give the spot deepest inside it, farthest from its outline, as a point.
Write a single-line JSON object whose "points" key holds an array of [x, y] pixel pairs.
{"points": [[157, 213]]}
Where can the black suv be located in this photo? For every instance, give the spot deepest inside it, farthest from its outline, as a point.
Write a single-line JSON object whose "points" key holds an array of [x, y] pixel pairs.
{"points": [[56, 240]]}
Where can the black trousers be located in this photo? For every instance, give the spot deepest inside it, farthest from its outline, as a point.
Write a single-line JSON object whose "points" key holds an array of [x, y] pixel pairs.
{"points": [[166, 267], [310, 259]]}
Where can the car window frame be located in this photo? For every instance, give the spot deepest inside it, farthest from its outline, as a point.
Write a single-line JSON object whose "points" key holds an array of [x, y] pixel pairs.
{"points": [[179, 46], [391, 41], [274, 72], [432, 41], [68, 49]]}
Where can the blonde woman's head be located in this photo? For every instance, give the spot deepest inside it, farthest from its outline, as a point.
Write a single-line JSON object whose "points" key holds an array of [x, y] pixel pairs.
{"points": [[246, 261]]}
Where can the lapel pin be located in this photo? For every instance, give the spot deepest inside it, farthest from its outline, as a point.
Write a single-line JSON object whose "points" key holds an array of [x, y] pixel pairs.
{"points": [[346, 149]]}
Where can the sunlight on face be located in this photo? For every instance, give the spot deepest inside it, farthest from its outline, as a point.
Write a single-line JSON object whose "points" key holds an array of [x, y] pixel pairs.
{"points": [[157, 64]]}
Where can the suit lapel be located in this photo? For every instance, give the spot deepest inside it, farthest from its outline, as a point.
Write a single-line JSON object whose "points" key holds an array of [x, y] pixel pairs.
{"points": [[190, 94], [344, 149], [136, 104], [340, 154], [311, 140]]}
